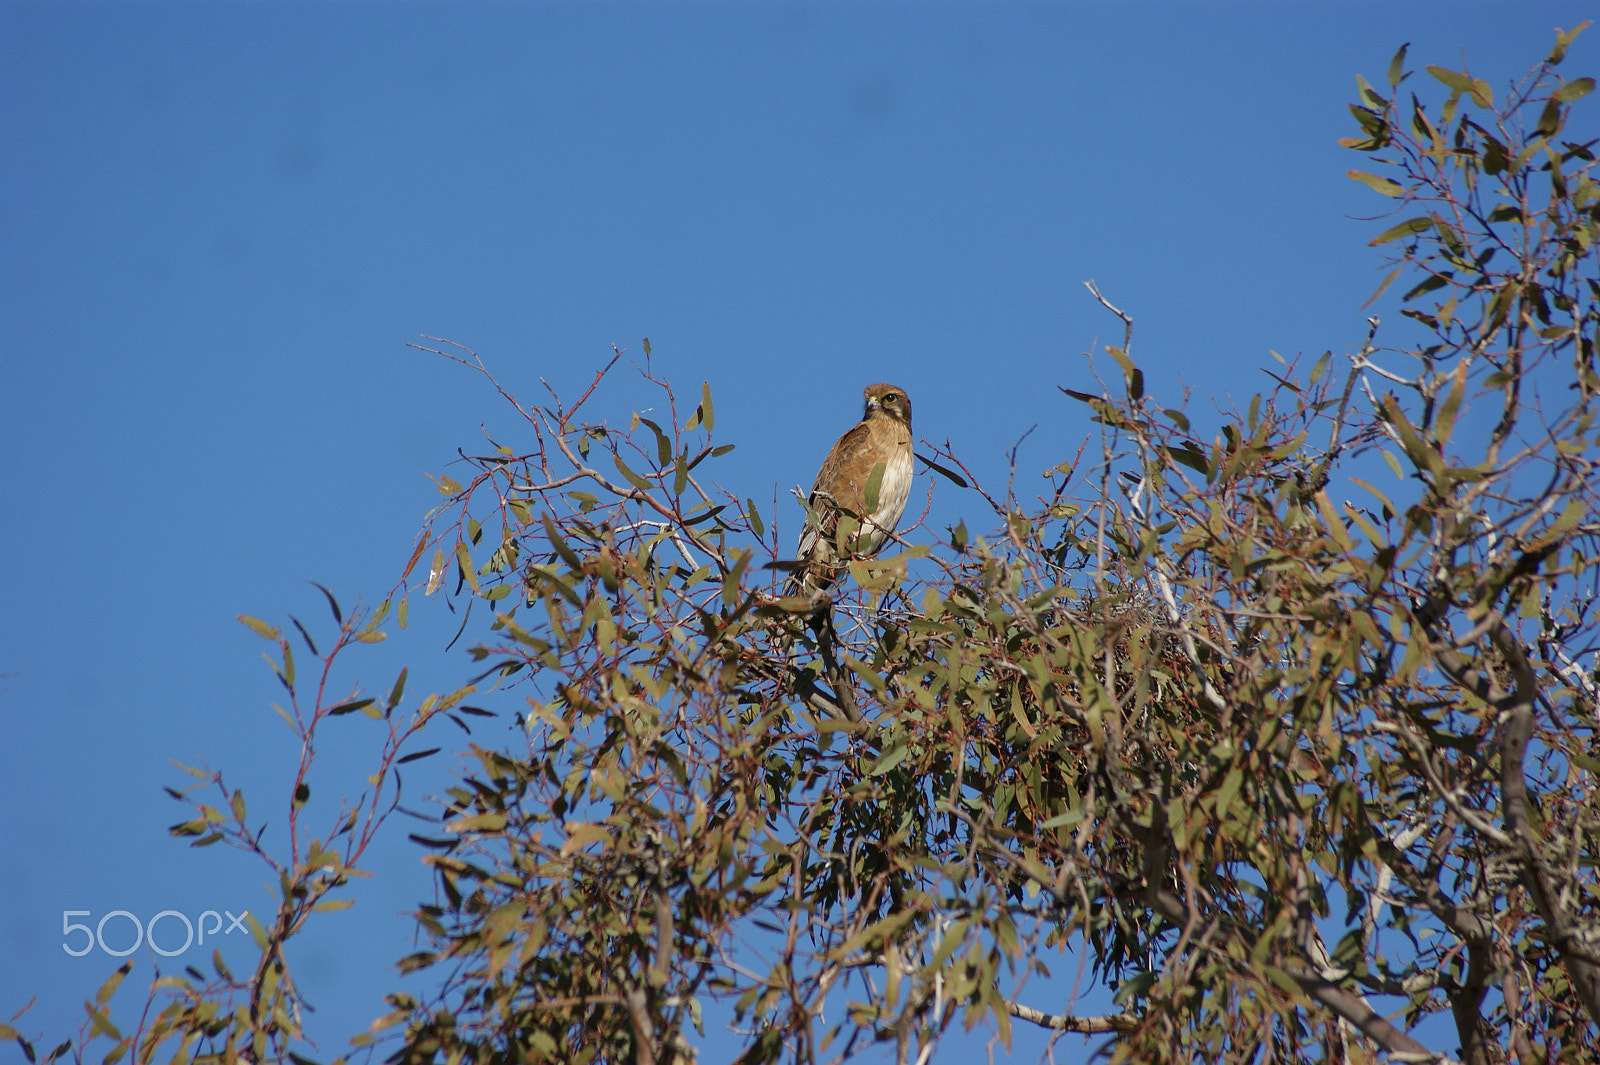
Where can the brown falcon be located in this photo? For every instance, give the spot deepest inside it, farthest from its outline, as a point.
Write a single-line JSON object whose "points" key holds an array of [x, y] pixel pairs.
{"points": [[860, 492]]}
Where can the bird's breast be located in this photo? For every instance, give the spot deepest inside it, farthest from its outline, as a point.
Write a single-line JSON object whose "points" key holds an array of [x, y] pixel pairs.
{"points": [[896, 486]]}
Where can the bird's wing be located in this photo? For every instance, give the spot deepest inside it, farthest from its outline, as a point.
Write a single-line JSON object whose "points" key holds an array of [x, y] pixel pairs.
{"points": [[834, 489], [840, 480]]}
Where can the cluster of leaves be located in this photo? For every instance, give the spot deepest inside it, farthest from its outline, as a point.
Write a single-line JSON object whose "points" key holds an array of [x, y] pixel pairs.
{"points": [[240, 1018], [1267, 756], [1296, 755]]}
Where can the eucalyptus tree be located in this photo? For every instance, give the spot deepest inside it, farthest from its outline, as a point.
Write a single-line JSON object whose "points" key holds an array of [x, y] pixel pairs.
{"points": [[1285, 725]]}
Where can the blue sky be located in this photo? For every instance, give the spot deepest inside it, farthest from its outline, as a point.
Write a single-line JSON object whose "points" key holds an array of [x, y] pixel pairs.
{"points": [[222, 224]]}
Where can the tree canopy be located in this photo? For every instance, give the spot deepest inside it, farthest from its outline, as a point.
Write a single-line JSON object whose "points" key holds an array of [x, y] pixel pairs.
{"points": [[1283, 716]]}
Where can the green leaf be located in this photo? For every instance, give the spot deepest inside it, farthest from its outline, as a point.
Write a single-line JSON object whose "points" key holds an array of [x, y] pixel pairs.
{"points": [[260, 628], [890, 758], [756, 525], [568, 555], [397, 692], [490, 822], [304, 635], [732, 584], [446, 485], [333, 905], [1369, 94], [1397, 67], [580, 834], [100, 1024], [114, 981], [1369, 120], [1376, 183], [1383, 285], [1128, 367], [333, 604], [705, 512], [1431, 283], [663, 445], [1066, 820], [1573, 90], [708, 415], [464, 563], [1286, 983], [1394, 464], [1319, 367], [1404, 229], [949, 475], [1563, 42], [1496, 160], [1549, 121], [1422, 455], [354, 705], [1457, 83], [1229, 790], [632, 478], [435, 572], [1133, 990], [869, 495], [1191, 457]]}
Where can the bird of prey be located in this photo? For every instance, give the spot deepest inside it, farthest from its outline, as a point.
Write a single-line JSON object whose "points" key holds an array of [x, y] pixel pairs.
{"points": [[859, 493]]}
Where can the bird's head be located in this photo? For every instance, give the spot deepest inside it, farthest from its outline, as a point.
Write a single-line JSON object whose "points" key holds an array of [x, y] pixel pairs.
{"points": [[887, 401]]}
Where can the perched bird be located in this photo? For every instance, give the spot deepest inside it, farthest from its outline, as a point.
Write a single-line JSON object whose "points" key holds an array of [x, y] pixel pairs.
{"points": [[881, 441]]}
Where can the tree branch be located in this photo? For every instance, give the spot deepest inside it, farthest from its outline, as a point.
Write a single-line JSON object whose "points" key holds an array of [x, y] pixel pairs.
{"points": [[1346, 1004], [1519, 706], [1066, 1022]]}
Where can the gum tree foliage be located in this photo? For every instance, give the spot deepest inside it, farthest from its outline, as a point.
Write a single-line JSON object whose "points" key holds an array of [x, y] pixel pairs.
{"points": [[257, 1015], [1269, 735], [1286, 728]]}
